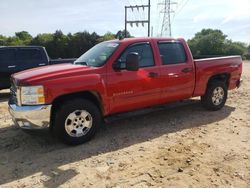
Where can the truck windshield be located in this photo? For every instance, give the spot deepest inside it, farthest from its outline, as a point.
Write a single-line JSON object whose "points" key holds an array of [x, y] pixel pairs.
{"points": [[98, 55]]}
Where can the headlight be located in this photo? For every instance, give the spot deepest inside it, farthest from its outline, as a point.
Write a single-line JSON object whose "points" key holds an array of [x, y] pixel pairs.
{"points": [[32, 95]]}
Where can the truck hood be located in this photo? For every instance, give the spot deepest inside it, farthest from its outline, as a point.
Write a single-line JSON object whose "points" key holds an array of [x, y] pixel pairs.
{"points": [[50, 72]]}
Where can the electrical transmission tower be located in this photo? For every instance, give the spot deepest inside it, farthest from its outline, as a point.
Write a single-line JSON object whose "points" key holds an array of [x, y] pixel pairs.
{"points": [[166, 22], [137, 21]]}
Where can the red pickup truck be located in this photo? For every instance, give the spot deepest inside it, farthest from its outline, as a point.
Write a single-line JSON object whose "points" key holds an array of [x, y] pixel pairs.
{"points": [[118, 76]]}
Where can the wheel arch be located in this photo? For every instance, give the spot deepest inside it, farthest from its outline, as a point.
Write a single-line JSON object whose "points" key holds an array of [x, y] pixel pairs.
{"points": [[223, 77], [91, 95]]}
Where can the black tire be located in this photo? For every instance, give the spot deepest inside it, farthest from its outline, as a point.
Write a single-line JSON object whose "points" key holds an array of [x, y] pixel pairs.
{"points": [[207, 99], [69, 107]]}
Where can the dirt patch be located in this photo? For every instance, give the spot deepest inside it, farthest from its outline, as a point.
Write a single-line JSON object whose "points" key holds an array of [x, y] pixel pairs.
{"points": [[180, 145]]}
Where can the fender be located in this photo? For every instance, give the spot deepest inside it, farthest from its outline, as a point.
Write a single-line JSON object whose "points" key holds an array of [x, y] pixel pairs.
{"points": [[94, 83]]}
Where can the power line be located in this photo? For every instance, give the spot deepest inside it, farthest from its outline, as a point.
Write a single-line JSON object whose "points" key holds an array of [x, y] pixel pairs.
{"points": [[181, 8], [183, 5], [169, 15], [158, 20], [140, 20], [166, 22], [142, 15], [133, 13]]}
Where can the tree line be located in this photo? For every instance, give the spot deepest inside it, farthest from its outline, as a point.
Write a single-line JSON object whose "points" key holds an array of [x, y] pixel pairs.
{"points": [[213, 42], [59, 45], [208, 42]]}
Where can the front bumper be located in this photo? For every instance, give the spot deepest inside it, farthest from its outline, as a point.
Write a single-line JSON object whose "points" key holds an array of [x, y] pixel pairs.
{"points": [[31, 117]]}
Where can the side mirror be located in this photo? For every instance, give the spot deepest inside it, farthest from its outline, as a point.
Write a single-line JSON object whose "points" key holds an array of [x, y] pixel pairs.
{"points": [[132, 62]]}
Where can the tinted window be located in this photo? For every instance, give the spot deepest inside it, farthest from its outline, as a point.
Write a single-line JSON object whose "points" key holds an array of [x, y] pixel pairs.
{"points": [[29, 54], [7, 55], [144, 51], [172, 53]]}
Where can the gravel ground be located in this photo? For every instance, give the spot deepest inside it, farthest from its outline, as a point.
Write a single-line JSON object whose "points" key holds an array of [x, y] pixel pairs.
{"points": [[177, 145]]}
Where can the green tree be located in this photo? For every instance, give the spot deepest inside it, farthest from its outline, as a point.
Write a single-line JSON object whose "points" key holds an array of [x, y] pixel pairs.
{"points": [[213, 42], [235, 48], [248, 53], [59, 45], [121, 34], [24, 36], [42, 39], [106, 36], [14, 41], [3, 40], [81, 42], [208, 42], [45, 40]]}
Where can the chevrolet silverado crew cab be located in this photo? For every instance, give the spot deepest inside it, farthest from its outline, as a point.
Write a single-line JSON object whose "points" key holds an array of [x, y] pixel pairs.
{"points": [[14, 59], [118, 76]]}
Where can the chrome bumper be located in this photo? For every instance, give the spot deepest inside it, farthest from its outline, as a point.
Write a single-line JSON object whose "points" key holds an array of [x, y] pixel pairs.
{"points": [[31, 117]]}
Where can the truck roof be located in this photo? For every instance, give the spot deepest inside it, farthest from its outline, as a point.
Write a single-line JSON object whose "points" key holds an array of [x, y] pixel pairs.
{"points": [[21, 47], [143, 39]]}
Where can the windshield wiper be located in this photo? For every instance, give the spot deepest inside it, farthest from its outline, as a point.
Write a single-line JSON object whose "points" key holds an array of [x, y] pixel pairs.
{"points": [[81, 63]]}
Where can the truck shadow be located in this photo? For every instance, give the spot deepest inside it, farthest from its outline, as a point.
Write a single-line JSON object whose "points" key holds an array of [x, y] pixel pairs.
{"points": [[4, 96], [26, 154]]}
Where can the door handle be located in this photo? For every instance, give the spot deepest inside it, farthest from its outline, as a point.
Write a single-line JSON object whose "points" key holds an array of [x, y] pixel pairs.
{"points": [[186, 70], [152, 74], [42, 64], [11, 66]]}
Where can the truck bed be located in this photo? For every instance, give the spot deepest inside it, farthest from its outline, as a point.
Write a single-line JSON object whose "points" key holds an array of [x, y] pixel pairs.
{"points": [[208, 67]]}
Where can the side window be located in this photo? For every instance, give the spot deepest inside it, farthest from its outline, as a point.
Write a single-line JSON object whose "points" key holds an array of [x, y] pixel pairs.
{"points": [[29, 55], [172, 53], [7, 55], [146, 58]]}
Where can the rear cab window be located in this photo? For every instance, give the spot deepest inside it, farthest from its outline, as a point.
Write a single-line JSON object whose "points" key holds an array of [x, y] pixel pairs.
{"points": [[172, 52], [7, 55], [29, 55], [145, 53]]}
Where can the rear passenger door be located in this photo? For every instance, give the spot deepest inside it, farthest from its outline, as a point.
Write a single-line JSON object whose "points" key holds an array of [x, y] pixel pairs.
{"points": [[28, 58], [177, 71], [7, 66]]}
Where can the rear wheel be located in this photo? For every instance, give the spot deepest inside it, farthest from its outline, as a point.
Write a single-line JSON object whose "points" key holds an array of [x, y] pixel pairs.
{"points": [[215, 96], [76, 121]]}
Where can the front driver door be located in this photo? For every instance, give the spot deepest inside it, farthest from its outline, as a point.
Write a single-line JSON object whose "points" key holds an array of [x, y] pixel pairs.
{"points": [[130, 90]]}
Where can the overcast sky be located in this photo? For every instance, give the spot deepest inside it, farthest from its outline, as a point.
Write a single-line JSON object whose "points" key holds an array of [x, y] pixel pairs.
{"points": [[231, 16]]}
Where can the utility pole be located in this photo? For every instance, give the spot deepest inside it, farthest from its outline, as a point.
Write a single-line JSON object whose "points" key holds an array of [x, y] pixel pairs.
{"points": [[138, 21], [149, 9], [166, 29]]}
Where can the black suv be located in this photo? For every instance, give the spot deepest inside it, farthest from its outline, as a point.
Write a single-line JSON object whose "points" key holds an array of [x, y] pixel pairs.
{"points": [[18, 58]]}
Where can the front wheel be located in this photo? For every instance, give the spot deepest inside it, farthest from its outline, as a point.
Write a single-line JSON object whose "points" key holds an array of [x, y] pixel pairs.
{"points": [[215, 96], [76, 121]]}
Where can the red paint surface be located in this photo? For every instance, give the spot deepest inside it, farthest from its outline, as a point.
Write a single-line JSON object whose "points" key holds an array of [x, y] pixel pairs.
{"points": [[127, 90]]}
